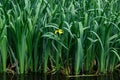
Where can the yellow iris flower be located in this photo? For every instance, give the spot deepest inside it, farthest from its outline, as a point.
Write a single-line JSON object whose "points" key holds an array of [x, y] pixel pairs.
{"points": [[59, 31]]}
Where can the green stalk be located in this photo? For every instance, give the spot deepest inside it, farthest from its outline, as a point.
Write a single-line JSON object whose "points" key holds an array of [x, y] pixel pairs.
{"points": [[78, 57], [46, 55], [36, 54], [58, 56], [3, 49], [102, 56], [21, 53], [79, 52], [3, 43]]}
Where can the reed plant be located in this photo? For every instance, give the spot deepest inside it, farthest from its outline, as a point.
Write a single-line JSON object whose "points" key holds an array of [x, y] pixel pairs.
{"points": [[66, 36], [3, 42]]}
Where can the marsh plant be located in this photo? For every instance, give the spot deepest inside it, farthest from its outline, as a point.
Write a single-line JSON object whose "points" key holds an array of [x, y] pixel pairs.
{"points": [[66, 36]]}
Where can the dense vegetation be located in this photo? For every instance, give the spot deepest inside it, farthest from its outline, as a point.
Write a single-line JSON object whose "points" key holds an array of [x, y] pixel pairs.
{"points": [[66, 36]]}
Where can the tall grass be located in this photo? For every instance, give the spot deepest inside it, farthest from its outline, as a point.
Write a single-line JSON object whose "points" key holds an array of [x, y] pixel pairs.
{"points": [[3, 41], [66, 36]]}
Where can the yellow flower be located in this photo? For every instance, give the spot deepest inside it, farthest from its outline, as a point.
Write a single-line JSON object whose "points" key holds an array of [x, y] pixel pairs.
{"points": [[59, 31]]}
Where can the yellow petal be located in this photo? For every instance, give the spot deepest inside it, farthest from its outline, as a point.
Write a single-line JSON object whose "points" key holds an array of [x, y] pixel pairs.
{"points": [[60, 31], [56, 31]]}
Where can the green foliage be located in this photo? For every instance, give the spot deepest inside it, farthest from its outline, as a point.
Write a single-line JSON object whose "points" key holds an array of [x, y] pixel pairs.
{"points": [[67, 36]]}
